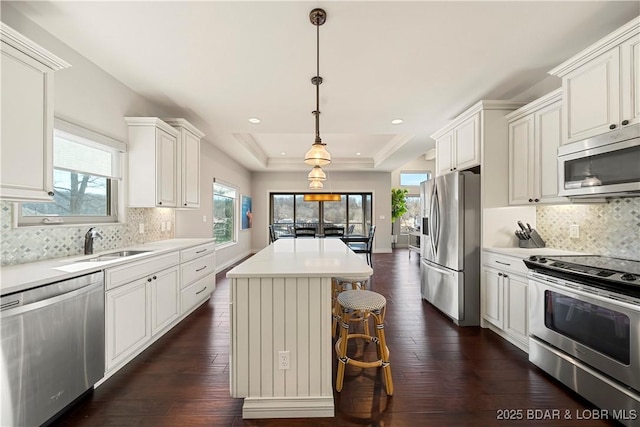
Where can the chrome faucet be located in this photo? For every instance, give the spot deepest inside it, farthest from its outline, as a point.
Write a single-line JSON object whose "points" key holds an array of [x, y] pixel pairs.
{"points": [[89, 238]]}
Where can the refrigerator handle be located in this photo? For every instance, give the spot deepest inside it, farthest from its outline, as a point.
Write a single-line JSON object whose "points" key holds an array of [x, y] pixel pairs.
{"points": [[438, 269], [435, 219], [432, 234]]}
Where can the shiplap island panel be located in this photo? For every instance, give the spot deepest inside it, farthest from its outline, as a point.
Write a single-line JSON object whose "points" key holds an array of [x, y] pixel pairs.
{"points": [[281, 301]]}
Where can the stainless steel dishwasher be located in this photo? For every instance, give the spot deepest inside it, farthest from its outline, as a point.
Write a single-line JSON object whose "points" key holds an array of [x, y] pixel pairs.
{"points": [[52, 348]]}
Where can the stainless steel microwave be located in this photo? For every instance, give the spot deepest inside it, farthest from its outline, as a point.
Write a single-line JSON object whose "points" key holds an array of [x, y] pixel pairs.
{"points": [[602, 166]]}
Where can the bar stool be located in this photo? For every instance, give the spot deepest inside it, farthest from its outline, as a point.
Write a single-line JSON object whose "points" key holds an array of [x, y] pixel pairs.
{"points": [[372, 303], [340, 284]]}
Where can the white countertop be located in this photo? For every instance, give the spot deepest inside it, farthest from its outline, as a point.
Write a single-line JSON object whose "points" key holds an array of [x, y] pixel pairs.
{"points": [[525, 252], [304, 257], [15, 278]]}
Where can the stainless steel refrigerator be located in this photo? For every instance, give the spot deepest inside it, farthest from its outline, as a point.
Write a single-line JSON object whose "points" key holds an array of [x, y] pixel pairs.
{"points": [[450, 245]]}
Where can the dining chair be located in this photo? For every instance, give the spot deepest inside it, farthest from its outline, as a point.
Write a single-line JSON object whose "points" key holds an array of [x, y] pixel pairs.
{"points": [[272, 235], [364, 247], [305, 232], [333, 231]]}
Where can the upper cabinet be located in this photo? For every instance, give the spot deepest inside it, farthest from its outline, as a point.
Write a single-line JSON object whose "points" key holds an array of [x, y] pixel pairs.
{"points": [[153, 167], [26, 152], [164, 163], [534, 137], [458, 148], [600, 85], [478, 137], [188, 161]]}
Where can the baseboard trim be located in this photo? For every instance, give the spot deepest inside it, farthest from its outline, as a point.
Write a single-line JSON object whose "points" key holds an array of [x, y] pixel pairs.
{"points": [[288, 407]]}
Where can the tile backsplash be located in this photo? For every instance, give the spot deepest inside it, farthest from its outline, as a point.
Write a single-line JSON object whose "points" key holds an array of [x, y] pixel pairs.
{"points": [[28, 244], [611, 229]]}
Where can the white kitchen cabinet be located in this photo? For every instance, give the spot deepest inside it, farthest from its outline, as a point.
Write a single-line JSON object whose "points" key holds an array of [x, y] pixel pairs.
{"points": [[198, 278], [153, 163], [504, 297], [165, 299], [188, 161], [26, 152], [128, 326], [534, 138], [599, 84], [142, 300], [459, 148]]}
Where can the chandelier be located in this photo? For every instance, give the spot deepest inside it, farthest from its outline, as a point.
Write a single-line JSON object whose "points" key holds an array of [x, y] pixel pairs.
{"points": [[318, 155]]}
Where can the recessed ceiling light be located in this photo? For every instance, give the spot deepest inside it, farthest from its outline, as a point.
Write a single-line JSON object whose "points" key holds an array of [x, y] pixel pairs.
{"points": [[283, 154], [254, 120], [357, 154], [396, 121]]}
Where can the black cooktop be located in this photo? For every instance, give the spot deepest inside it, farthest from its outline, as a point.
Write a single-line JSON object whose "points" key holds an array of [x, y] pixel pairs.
{"points": [[589, 268]]}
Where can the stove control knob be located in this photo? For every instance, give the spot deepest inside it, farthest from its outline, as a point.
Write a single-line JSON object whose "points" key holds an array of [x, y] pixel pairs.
{"points": [[628, 276], [542, 260], [533, 258]]}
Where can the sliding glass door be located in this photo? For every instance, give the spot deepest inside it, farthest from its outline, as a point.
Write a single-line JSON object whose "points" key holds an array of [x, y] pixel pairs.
{"points": [[352, 211]]}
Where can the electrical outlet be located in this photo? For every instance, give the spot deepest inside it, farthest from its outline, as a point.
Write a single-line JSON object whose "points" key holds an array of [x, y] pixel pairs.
{"points": [[283, 359], [163, 226], [141, 228], [204, 218], [574, 231], [168, 225]]}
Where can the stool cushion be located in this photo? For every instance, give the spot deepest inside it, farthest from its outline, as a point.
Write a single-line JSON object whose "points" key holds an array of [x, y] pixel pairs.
{"points": [[361, 300]]}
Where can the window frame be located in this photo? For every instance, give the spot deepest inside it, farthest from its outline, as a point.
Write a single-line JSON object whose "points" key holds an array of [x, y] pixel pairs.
{"points": [[90, 138], [235, 210], [413, 172]]}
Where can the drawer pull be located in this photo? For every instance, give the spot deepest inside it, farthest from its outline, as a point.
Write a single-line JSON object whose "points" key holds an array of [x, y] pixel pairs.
{"points": [[200, 269], [203, 289], [503, 263], [201, 250]]}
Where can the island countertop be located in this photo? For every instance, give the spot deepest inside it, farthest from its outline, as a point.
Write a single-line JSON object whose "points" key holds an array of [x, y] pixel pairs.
{"points": [[305, 257]]}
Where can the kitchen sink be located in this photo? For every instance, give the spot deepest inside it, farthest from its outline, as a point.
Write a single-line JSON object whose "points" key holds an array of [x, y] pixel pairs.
{"points": [[112, 255]]}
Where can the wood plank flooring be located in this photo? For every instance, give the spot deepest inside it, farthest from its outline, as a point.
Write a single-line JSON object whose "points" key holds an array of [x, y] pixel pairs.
{"points": [[444, 375]]}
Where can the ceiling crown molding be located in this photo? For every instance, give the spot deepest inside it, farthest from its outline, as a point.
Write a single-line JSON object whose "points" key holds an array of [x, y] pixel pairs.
{"points": [[247, 141]]}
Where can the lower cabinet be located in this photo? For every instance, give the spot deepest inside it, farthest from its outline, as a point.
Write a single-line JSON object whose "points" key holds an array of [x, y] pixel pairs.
{"points": [[127, 327], [145, 299], [165, 299], [504, 296]]}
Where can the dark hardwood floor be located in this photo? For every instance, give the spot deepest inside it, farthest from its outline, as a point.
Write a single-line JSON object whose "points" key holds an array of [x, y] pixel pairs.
{"points": [[444, 375]]}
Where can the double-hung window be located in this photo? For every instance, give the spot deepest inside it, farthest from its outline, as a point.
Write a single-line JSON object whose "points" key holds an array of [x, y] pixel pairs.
{"points": [[86, 177]]}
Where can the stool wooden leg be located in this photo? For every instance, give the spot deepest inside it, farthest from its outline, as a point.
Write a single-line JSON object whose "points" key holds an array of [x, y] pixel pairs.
{"points": [[341, 345], [383, 351]]}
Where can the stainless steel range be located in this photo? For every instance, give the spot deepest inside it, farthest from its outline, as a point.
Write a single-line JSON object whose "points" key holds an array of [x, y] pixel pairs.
{"points": [[584, 323]]}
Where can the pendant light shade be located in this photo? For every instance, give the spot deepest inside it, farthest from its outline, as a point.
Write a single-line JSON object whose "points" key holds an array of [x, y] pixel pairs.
{"points": [[315, 184], [317, 174], [317, 155]]}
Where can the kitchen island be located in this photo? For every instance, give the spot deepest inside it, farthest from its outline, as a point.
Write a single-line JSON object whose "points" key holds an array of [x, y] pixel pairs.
{"points": [[280, 312]]}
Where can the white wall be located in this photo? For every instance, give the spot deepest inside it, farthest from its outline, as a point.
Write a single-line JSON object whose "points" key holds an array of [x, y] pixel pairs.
{"points": [[378, 183], [189, 222]]}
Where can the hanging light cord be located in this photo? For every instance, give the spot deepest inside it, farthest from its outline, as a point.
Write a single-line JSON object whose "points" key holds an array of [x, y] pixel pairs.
{"points": [[317, 80]]}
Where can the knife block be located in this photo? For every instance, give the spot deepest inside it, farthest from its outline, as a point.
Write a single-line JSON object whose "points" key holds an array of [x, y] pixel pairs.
{"points": [[535, 241]]}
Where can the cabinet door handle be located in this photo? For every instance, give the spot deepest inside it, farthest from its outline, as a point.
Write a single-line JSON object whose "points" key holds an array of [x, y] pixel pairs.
{"points": [[200, 269], [159, 203], [203, 289], [154, 277], [625, 122], [536, 200], [503, 263], [504, 275], [149, 279], [613, 126], [51, 193], [499, 274], [530, 200]]}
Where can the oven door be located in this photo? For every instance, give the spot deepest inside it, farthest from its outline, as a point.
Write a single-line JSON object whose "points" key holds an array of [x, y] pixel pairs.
{"points": [[596, 329]]}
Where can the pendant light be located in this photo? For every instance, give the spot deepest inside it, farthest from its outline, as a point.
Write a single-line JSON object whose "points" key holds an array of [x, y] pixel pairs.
{"points": [[318, 154]]}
